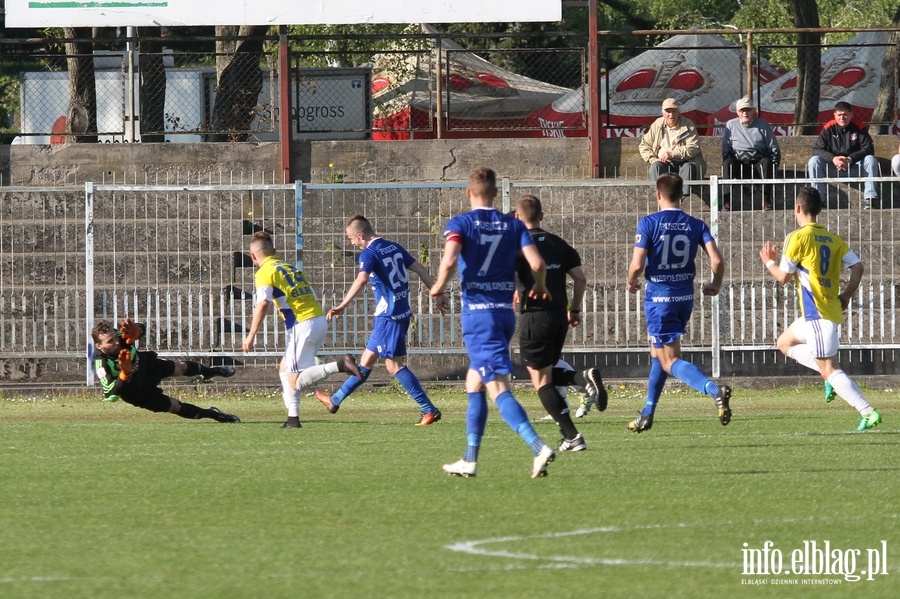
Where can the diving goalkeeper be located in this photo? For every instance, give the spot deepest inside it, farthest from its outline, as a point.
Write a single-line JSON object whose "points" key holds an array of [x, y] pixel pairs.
{"points": [[134, 376]]}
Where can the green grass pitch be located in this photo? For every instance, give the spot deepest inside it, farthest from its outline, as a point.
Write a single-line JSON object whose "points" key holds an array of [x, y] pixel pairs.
{"points": [[105, 500]]}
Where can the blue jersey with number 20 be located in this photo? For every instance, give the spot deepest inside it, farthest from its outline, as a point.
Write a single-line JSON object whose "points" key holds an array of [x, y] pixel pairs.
{"points": [[491, 241], [671, 238], [386, 263]]}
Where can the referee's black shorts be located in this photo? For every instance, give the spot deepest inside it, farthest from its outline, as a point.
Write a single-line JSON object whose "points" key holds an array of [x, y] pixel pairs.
{"points": [[541, 337], [143, 389]]}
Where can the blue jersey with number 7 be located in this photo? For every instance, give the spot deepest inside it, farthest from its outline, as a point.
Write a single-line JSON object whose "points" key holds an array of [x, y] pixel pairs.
{"points": [[490, 241], [671, 238]]}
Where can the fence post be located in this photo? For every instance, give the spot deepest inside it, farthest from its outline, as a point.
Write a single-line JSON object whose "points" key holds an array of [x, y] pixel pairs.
{"points": [[716, 301], [298, 211], [89, 278], [505, 193]]}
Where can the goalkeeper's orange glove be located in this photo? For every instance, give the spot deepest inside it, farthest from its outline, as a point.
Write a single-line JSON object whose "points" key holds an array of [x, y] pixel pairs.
{"points": [[125, 364], [129, 331]]}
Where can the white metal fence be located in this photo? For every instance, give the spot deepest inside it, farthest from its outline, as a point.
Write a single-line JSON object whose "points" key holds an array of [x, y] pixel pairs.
{"points": [[175, 257]]}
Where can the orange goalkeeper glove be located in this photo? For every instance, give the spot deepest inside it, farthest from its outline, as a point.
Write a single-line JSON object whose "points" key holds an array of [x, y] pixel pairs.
{"points": [[125, 364], [129, 331]]}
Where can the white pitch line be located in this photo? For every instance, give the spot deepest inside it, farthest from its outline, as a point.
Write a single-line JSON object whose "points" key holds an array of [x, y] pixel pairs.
{"points": [[476, 548]]}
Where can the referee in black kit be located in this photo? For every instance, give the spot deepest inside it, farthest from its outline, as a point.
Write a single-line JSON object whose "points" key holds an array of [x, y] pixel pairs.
{"points": [[545, 324]]}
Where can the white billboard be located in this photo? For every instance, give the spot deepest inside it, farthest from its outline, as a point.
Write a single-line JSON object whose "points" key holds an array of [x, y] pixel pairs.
{"points": [[149, 13]]}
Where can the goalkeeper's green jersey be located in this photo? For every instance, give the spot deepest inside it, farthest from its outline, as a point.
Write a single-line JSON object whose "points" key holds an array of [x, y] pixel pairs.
{"points": [[108, 370]]}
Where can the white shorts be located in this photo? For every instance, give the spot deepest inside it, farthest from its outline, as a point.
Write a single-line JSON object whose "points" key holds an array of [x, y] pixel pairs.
{"points": [[820, 335], [304, 340]]}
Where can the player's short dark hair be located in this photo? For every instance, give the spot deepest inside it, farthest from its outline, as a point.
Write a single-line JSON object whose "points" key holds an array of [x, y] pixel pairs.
{"points": [[670, 186], [101, 328], [529, 208], [809, 200], [843, 106], [483, 182], [360, 222]]}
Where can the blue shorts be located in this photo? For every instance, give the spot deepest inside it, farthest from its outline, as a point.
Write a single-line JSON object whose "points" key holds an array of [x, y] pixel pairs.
{"points": [[487, 338], [666, 322], [388, 338]]}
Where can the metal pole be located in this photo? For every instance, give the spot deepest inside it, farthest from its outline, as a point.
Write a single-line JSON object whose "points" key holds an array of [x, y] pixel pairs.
{"points": [[129, 106], [284, 103], [89, 278], [298, 212], [715, 321], [439, 100], [594, 88]]}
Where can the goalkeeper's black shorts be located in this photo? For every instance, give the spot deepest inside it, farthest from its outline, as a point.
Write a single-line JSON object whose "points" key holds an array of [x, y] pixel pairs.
{"points": [[142, 389]]}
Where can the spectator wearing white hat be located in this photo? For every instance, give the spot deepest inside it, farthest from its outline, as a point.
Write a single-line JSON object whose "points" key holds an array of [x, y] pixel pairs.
{"points": [[671, 145], [750, 149]]}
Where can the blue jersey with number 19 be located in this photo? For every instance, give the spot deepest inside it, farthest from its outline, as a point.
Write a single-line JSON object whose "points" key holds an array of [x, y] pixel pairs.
{"points": [[386, 263], [671, 238], [490, 242]]}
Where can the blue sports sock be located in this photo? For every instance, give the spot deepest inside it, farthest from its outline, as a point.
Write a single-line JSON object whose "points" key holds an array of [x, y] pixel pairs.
{"points": [[687, 373], [408, 381], [655, 383], [514, 415], [350, 385], [476, 420]]}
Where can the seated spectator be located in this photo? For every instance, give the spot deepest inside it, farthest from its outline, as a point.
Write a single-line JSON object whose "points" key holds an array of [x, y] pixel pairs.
{"points": [[750, 149], [671, 145], [844, 147], [895, 164]]}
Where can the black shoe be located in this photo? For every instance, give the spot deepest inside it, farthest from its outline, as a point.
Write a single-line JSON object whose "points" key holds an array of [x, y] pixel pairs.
{"points": [[641, 424], [292, 422], [595, 388], [222, 371], [576, 444], [347, 364], [221, 416], [722, 402]]}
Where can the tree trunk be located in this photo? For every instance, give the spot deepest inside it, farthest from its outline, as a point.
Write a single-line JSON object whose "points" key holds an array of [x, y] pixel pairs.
{"points": [[153, 86], [809, 66], [887, 92], [81, 117], [239, 81]]}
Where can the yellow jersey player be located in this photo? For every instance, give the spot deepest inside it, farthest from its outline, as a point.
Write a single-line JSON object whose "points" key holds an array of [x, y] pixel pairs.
{"points": [[815, 257], [279, 283]]}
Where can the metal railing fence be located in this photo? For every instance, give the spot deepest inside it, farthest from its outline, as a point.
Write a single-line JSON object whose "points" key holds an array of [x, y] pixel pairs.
{"points": [[176, 258]]}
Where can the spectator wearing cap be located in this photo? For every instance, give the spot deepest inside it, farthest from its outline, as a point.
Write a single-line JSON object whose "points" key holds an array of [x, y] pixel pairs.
{"points": [[844, 148], [671, 145], [750, 149]]}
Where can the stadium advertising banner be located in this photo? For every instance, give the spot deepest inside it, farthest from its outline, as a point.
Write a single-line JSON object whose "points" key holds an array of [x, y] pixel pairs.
{"points": [[149, 13]]}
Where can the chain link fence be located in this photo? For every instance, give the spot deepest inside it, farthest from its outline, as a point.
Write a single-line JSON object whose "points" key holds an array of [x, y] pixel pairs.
{"points": [[425, 86]]}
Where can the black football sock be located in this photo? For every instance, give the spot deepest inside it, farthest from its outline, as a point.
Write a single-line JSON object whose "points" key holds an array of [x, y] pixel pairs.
{"points": [[563, 377], [192, 412], [556, 406], [196, 368]]}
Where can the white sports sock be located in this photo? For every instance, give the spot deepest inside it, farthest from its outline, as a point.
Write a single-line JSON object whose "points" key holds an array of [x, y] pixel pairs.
{"points": [[290, 395], [314, 374], [849, 392], [801, 354]]}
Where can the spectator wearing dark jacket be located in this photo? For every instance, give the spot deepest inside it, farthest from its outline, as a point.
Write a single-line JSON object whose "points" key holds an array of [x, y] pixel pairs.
{"points": [[844, 148]]}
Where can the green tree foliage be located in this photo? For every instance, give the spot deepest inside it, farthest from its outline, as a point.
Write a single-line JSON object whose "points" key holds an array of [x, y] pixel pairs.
{"points": [[781, 49]]}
